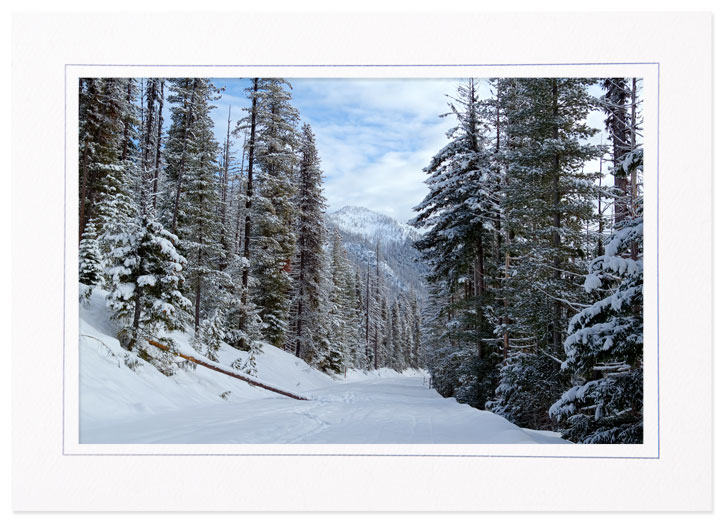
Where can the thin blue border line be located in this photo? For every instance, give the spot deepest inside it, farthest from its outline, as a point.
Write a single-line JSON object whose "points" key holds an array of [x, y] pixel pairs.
{"points": [[371, 455], [65, 233], [370, 65], [658, 261], [65, 225]]}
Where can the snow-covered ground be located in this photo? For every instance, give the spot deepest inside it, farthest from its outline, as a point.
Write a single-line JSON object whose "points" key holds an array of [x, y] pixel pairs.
{"points": [[120, 405]]}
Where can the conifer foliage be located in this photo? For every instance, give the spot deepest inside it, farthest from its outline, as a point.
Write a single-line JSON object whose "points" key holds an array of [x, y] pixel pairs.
{"points": [[527, 310], [310, 331], [145, 281], [510, 323], [180, 235]]}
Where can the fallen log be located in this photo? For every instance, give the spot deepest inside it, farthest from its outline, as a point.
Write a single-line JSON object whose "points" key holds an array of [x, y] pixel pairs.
{"points": [[243, 377]]}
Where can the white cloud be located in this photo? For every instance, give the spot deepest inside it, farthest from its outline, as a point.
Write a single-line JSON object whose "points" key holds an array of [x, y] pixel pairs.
{"points": [[375, 136]]}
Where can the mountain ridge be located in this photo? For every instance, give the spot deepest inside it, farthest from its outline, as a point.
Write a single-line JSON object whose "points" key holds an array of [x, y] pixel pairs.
{"points": [[364, 232]]}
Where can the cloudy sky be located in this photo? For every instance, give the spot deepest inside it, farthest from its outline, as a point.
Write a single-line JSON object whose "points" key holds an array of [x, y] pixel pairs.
{"points": [[374, 136]]}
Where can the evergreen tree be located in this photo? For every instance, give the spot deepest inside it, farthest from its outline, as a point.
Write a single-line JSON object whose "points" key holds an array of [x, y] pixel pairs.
{"points": [[360, 324], [547, 201], [109, 178], [90, 272], [416, 333], [145, 277], [309, 320], [249, 338], [273, 234], [184, 96], [103, 114], [199, 226], [396, 335], [615, 102], [458, 216], [605, 345], [208, 338]]}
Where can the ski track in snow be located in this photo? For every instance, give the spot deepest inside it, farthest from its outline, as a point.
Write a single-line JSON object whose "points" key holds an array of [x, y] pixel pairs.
{"points": [[379, 410], [118, 405]]}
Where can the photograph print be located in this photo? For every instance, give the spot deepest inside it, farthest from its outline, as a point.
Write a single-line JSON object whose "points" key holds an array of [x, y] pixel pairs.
{"points": [[360, 261]]}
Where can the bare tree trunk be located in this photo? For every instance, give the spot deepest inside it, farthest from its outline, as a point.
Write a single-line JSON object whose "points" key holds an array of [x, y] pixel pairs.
{"points": [[82, 219], [633, 175], [617, 125], [248, 205], [557, 220], [367, 317], [126, 124], [225, 179], [238, 233], [300, 284], [159, 130], [600, 246], [221, 370], [148, 134], [478, 295]]}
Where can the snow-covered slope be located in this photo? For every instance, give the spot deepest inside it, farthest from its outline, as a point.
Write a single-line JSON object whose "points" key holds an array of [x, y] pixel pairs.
{"points": [[110, 390], [120, 405], [363, 231], [372, 225]]}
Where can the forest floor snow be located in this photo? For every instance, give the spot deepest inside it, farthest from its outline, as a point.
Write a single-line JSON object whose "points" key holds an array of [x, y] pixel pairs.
{"points": [[120, 405]]}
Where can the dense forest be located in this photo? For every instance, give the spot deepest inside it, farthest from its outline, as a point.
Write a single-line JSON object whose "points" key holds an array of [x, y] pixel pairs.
{"points": [[228, 238], [535, 265], [532, 306]]}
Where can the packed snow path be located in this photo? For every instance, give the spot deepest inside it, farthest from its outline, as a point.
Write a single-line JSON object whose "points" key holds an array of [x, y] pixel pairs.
{"points": [[376, 410], [199, 405]]}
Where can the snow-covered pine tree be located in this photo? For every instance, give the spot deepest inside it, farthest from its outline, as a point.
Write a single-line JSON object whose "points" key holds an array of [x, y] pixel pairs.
{"points": [[249, 338], [208, 338], [229, 174], [150, 138], [198, 224], [416, 332], [396, 360], [346, 306], [156, 179], [604, 350], [107, 142], [145, 281], [309, 320], [458, 216], [90, 271], [273, 234], [332, 356], [246, 196], [386, 333], [547, 200], [185, 109], [615, 103], [406, 332], [360, 325], [375, 311], [444, 357], [100, 129]]}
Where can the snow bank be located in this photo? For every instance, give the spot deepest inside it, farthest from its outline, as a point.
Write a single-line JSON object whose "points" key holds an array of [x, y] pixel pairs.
{"points": [[121, 405], [110, 390]]}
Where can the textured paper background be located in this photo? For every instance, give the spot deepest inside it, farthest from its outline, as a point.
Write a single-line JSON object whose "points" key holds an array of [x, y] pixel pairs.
{"points": [[46, 476]]}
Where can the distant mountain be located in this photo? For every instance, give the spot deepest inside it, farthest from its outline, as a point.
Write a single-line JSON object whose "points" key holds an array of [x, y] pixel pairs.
{"points": [[362, 229], [372, 225]]}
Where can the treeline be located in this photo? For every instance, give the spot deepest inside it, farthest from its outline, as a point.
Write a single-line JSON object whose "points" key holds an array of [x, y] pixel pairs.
{"points": [[536, 286], [186, 233]]}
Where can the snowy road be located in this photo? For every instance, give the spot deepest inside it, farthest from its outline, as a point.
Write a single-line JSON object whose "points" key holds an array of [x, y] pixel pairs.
{"points": [[376, 410]]}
